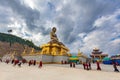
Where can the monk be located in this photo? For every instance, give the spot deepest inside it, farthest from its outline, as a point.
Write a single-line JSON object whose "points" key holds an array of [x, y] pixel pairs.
{"points": [[84, 65], [98, 65], [30, 63], [24, 61], [74, 65], [87, 66], [65, 62], [16, 62], [34, 63], [70, 64], [62, 62], [40, 64], [12, 61], [0, 60], [7, 61]]}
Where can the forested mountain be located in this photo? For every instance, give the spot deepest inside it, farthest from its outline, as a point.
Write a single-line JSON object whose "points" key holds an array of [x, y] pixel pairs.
{"points": [[14, 39], [10, 43]]}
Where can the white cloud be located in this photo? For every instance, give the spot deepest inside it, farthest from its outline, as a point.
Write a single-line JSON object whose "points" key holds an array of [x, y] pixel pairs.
{"points": [[78, 22], [106, 37]]}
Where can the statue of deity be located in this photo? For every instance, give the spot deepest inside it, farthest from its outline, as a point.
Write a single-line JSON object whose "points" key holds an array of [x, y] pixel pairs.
{"points": [[53, 36]]}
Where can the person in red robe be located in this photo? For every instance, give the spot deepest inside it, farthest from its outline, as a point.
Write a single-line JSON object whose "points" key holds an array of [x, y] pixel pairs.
{"points": [[0, 60], [40, 64], [74, 65], [7, 61], [30, 63], [62, 62], [84, 66], [24, 61], [87, 66], [65, 62], [70, 64], [98, 65], [34, 63], [12, 61], [16, 62]]}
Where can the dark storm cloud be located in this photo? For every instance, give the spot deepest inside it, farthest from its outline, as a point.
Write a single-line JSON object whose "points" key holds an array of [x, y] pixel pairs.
{"points": [[86, 12], [63, 23], [30, 16], [4, 16], [74, 19]]}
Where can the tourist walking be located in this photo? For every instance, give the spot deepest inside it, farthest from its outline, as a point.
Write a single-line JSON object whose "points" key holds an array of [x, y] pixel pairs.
{"points": [[19, 64], [115, 67], [89, 65]]}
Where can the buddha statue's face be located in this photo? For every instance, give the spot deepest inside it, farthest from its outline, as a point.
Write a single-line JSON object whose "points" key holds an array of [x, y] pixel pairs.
{"points": [[54, 29]]}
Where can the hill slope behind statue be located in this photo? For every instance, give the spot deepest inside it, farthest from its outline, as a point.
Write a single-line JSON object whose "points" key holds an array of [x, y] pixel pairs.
{"points": [[10, 43]]}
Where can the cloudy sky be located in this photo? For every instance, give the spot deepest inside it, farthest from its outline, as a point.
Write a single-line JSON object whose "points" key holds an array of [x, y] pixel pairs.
{"points": [[81, 24]]}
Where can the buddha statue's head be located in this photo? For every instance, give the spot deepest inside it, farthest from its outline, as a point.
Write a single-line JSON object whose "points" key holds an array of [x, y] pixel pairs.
{"points": [[54, 29]]}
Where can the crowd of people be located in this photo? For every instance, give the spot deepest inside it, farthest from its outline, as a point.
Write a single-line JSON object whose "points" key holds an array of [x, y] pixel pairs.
{"points": [[20, 62], [86, 65]]}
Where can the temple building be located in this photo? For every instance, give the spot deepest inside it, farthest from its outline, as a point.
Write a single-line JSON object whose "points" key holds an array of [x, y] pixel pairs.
{"points": [[97, 55]]}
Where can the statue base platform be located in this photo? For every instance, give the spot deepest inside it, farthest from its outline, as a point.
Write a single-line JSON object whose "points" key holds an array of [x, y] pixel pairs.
{"points": [[54, 49], [47, 59]]}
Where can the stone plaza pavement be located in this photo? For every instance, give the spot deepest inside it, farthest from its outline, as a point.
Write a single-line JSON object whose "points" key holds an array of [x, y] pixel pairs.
{"points": [[56, 72]]}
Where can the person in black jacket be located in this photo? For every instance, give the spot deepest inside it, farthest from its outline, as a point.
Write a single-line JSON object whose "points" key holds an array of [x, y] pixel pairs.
{"points": [[115, 67]]}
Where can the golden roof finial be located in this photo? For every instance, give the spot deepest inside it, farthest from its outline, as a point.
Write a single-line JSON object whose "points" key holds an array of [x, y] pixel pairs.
{"points": [[96, 48], [79, 53]]}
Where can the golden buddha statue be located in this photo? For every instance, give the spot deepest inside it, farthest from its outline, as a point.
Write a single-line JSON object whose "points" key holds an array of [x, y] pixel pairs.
{"points": [[54, 47], [53, 36]]}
